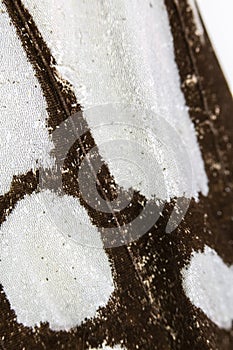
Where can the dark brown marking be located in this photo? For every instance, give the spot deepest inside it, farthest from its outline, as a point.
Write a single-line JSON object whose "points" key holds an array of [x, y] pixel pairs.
{"points": [[161, 318]]}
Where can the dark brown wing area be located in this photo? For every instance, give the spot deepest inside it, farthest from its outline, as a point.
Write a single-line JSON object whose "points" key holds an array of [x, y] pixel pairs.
{"points": [[149, 309]]}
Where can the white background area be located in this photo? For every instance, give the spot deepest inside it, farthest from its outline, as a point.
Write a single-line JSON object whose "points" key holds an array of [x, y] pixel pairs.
{"points": [[218, 19]]}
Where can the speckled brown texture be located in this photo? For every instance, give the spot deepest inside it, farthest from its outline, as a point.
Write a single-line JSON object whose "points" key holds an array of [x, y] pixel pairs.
{"points": [[149, 309]]}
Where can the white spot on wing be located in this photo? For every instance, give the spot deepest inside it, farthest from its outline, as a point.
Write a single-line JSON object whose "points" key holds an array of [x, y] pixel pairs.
{"points": [[53, 266], [208, 283]]}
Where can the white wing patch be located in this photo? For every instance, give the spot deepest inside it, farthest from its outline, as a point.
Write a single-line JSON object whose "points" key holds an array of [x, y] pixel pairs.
{"points": [[24, 138], [208, 283], [120, 53], [53, 266]]}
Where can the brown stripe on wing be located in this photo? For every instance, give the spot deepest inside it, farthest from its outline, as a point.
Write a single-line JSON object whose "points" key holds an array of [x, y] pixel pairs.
{"points": [[162, 318], [20, 186]]}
